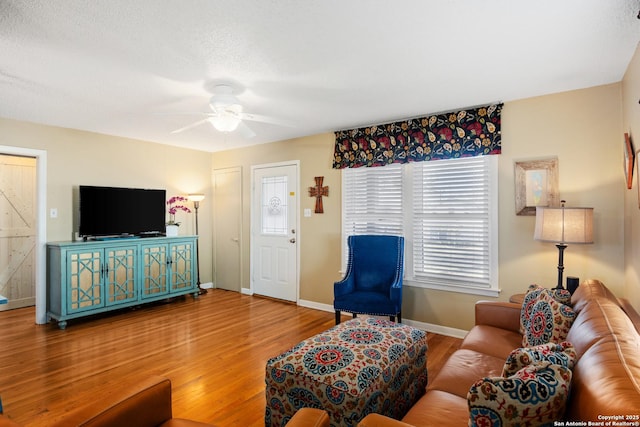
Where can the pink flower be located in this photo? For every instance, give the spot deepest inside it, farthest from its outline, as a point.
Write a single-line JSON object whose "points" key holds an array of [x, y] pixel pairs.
{"points": [[174, 209]]}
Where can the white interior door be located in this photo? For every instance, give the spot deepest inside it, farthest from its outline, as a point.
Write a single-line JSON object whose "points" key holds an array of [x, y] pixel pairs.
{"points": [[274, 238], [227, 221], [17, 230]]}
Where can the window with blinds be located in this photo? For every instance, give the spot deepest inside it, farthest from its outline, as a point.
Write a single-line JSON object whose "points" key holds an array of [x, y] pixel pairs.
{"points": [[446, 209]]}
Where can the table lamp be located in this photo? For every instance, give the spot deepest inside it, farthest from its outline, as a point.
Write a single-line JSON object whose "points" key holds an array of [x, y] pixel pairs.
{"points": [[561, 226]]}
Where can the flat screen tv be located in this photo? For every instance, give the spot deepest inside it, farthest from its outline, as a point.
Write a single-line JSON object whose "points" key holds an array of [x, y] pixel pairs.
{"points": [[113, 211]]}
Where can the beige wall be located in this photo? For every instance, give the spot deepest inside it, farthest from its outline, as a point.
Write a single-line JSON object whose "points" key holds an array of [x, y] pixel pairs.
{"points": [[582, 128], [83, 158], [631, 99], [319, 235]]}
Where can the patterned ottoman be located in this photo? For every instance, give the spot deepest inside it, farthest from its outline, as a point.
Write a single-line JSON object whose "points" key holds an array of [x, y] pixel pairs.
{"points": [[360, 366]]}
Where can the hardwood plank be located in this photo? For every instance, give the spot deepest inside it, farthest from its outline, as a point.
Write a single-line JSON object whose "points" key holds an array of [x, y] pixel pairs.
{"points": [[214, 349]]}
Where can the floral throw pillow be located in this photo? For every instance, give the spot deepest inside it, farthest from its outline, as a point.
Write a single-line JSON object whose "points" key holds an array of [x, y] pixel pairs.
{"points": [[549, 321], [532, 296], [535, 395], [562, 354]]}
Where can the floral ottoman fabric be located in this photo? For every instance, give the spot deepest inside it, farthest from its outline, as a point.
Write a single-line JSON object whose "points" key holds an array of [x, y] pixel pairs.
{"points": [[358, 367]]}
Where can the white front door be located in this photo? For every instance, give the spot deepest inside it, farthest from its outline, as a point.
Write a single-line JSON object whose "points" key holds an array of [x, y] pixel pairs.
{"points": [[274, 238]]}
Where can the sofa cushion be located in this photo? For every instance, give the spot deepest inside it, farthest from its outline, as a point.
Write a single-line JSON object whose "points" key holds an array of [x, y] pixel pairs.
{"points": [[549, 321], [560, 354], [462, 369], [535, 395], [502, 341], [532, 297]]}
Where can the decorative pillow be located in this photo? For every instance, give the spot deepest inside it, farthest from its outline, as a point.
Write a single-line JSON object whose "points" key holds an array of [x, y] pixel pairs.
{"points": [[549, 322], [536, 395], [563, 296], [562, 354]]}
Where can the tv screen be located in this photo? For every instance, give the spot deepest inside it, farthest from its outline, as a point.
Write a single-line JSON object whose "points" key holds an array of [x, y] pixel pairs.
{"points": [[112, 211]]}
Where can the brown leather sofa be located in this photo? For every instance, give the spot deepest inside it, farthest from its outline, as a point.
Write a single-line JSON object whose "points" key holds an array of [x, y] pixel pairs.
{"points": [[146, 404], [606, 376]]}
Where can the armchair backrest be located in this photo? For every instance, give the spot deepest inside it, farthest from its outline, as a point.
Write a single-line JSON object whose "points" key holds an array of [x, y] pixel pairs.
{"points": [[376, 262]]}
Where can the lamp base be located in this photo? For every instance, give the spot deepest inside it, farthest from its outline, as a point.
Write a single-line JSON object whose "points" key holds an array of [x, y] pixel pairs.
{"points": [[561, 247]]}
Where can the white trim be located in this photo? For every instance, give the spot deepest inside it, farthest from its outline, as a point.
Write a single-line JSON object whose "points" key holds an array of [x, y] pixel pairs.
{"points": [[437, 329], [208, 285], [487, 292], [429, 327], [41, 225], [316, 305]]}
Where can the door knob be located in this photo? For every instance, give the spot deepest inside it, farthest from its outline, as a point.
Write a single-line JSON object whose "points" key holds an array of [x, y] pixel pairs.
{"points": [[292, 240]]}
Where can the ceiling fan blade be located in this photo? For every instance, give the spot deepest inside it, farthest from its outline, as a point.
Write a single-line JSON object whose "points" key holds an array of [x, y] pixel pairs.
{"points": [[190, 126], [245, 130], [264, 119]]}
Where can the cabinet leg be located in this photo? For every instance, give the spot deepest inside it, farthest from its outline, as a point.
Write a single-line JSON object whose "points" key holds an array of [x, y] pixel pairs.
{"points": [[62, 324]]}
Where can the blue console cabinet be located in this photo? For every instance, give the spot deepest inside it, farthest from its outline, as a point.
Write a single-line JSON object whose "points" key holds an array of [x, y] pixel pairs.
{"points": [[85, 278]]}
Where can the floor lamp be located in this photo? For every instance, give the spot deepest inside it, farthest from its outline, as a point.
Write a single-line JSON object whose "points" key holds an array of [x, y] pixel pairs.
{"points": [[196, 199], [561, 226]]}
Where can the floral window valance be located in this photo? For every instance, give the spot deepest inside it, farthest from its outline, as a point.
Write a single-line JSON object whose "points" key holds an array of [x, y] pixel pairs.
{"points": [[464, 133]]}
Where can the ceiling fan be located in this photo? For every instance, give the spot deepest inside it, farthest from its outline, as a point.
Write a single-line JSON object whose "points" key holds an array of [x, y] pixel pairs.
{"points": [[227, 114]]}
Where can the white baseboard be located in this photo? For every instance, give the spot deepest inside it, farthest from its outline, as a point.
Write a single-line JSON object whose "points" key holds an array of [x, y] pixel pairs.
{"points": [[208, 285], [246, 291], [436, 329]]}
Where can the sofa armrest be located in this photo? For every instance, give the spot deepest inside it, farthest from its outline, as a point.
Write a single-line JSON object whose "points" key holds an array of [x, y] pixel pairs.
{"points": [[309, 417], [503, 315], [145, 404], [631, 313], [377, 420]]}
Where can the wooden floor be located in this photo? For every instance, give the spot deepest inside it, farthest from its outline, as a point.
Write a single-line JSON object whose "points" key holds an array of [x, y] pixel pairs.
{"points": [[214, 349]]}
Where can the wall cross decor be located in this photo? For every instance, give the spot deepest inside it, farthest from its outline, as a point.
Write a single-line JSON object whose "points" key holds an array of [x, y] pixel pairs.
{"points": [[318, 191]]}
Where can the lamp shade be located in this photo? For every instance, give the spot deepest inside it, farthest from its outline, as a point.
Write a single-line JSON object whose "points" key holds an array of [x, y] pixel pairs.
{"points": [[564, 225], [196, 197]]}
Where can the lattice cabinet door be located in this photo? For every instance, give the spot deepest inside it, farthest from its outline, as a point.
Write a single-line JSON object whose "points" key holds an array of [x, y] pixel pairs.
{"points": [[120, 274], [182, 265], [85, 289], [155, 263]]}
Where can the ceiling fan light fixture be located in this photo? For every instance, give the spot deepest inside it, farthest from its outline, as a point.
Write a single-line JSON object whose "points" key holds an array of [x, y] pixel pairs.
{"points": [[225, 122]]}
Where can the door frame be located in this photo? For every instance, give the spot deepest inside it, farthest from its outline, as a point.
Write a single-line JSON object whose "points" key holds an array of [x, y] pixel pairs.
{"points": [[295, 163], [41, 225]]}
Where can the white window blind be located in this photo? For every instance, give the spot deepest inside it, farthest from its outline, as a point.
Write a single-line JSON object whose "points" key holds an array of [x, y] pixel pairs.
{"points": [[447, 211], [371, 203], [372, 200], [452, 222]]}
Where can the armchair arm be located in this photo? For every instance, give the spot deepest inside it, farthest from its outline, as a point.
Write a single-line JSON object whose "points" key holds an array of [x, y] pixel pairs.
{"points": [[344, 286], [6, 422], [377, 420], [395, 291], [504, 315], [309, 417], [145, 404]]}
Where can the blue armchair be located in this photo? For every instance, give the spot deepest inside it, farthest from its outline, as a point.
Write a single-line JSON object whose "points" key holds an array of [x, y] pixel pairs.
{"points": [[373, 281]]}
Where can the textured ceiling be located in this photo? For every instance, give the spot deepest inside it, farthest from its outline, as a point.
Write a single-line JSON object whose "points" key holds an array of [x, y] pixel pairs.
{"points": [[130, 67]]}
